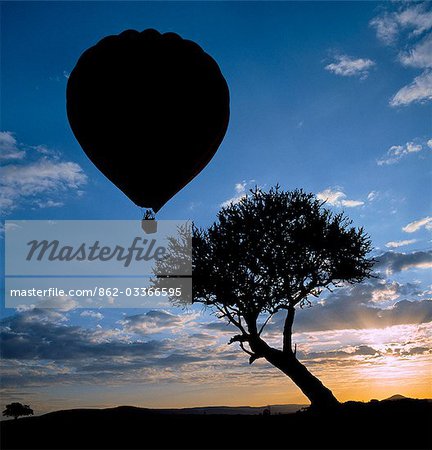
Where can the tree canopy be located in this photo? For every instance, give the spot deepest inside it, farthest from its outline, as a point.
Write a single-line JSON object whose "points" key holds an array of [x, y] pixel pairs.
{"points": [[275, 249], [17, 410]]}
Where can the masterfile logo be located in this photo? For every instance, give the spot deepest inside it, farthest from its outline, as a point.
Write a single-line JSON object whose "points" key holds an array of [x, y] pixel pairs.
{"points": [[139, 250], [92, 247]]}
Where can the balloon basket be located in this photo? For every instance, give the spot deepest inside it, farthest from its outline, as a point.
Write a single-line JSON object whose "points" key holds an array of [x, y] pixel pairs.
{"points": [[148, 222]]}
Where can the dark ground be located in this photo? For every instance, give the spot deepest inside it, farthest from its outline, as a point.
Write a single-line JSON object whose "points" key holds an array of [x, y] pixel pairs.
{"points": [[400, 424]]}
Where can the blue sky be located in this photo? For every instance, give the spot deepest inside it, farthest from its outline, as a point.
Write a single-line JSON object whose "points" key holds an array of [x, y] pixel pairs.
{"points": [[333, 98]]}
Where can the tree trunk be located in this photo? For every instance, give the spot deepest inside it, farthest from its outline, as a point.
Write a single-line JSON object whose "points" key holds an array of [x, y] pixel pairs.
{"points": [[320, 396], [285, 360]]}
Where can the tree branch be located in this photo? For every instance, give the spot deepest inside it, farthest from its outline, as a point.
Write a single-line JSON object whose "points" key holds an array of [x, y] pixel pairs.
{"points": [[287, 332], [238, 338], [225, 313], [264, 324], [241, 339]]}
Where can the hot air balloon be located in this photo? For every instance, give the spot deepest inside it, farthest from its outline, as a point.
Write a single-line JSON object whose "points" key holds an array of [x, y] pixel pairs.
{"points": [[150, 110]]}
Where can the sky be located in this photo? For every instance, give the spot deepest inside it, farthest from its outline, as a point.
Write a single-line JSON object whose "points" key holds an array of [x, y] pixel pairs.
{"points": [[331, 97]]}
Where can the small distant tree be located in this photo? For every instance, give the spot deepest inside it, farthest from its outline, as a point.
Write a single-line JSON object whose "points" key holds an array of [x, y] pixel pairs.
{"points": [[17, 410], [270, 253]]}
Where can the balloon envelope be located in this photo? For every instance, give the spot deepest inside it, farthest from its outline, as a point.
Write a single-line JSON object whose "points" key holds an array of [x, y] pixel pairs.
{"points": [[149, 110]]}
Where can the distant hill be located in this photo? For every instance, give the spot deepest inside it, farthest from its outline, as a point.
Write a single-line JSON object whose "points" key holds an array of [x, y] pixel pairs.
{"points": [[211, 410], [396, 397], [234, 410]]}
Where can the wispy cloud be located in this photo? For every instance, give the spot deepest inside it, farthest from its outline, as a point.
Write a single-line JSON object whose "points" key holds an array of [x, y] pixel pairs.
{"points": [[396, 152], [373, 195], [345, 313], [36, 177], [419, 56], [418, 224], [336, 197], [386, 28], [240, 190], [347, 66], [24, 182], [49, 204], [9, 148], [155, 321], [419, 91], [397, 244], [393, 262], [60, 303], [415, 17], [93, 314], [409, 23]]}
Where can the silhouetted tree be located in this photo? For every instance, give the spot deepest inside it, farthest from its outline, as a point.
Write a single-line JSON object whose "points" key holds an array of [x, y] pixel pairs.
{"points": [[17, 410], [272, 252]]}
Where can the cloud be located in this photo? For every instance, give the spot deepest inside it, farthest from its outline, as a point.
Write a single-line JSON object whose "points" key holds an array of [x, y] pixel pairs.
{"points": [[419, 91], [36, 178], [93, 314], [353, 347], [44, 150], [9, 148], [386, 28], [409, 23], [417, 351], [396, 244], [155, 321], [346, 66], [240, 192], [344, 311], [420, 56], [385, 292], [42, 334], [418, 224], [42, 176], [393, 262], [416, 18], [373, 195], [203, 336], [63, 303], [219, 326], [337, 197], [49, 204], [396, 152], [40, 347], [340, 354]]}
